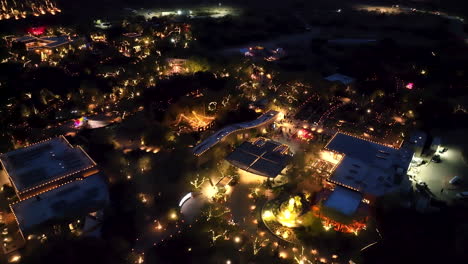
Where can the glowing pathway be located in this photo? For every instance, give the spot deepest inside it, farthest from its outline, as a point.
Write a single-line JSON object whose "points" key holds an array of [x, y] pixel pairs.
{"points": [[219, 135]]}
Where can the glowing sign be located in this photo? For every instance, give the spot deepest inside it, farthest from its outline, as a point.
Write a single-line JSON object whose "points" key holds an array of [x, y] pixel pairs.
{"points": [[80, 121], [410, 86], [36, 30]]}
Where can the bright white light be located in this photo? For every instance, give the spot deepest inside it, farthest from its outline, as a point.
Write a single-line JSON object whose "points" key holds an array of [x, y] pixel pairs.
{"points": [[185, 198], [267, 215], [15, 258], [330, 156], [210, 191], [140, 260], [179, 12]]}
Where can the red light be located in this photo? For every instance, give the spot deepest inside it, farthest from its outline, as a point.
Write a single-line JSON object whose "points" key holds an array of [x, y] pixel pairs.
{"points": [[36, 30], [304, 134]]}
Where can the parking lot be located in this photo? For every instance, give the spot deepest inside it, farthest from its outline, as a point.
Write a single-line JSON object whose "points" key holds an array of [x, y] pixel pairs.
{"points": [[438, 175]]}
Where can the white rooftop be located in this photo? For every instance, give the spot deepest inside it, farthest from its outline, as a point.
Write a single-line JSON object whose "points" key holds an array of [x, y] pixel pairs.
{"points": [[344, 200], [66, 202], [369, 167]]}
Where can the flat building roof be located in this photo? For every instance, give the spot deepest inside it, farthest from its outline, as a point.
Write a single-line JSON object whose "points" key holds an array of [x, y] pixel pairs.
{"points": [[262, 157], [43, 162], [367, 166], [71, 200]]}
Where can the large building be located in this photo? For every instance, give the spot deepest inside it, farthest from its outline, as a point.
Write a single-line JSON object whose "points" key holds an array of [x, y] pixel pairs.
{"points": [[368, 167], [364, 170], [263, 157], [54, 182]]}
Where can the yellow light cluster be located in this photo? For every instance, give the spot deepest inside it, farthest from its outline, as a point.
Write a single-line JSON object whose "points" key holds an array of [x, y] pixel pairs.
{"points": [[341, 184]]}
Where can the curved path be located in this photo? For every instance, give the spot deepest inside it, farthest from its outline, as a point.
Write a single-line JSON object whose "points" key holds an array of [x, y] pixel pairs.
{"points": [[220, 134]]}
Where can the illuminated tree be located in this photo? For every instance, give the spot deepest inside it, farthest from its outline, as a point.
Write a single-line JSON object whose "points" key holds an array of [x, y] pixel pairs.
{"points": [[258, 244], [215, 236], [196, 64], [215, 212], [198, 182]]}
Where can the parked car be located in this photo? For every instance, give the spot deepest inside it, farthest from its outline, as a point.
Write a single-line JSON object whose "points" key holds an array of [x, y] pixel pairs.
{"points": [[436, 159], [455, 180], [462, 195]]}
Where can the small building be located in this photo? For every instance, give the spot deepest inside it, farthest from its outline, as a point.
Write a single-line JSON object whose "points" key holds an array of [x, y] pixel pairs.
{"points": [[46, 42], [344, 200], [54, 182], [262, 157], [176, 66], [343, 210]]}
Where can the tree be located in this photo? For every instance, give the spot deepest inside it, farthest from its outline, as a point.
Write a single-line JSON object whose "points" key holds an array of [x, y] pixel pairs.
{"points": [[8, 190], [5, 143], [197, 64], [19, 48]]}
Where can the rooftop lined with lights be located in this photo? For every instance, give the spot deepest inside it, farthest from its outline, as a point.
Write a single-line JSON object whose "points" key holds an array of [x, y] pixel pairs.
{"points": [[43, 163], [68, 200], [368, 166]]}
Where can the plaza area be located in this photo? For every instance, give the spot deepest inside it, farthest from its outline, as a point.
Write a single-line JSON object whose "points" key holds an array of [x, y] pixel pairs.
{"points": [[438, 175]]}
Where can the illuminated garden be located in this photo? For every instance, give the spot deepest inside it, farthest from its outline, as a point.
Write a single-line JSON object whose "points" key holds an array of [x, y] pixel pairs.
{"points": [[282, 132]]}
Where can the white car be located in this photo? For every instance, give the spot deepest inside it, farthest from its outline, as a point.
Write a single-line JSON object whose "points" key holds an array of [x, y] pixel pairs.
{"points": [[455, 180]]}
